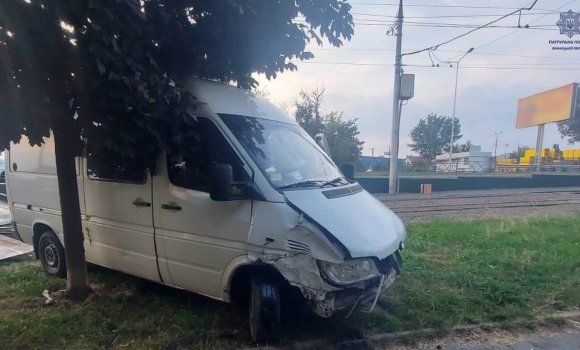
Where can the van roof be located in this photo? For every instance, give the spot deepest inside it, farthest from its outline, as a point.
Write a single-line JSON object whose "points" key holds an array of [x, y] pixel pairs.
{"points": [[227, 99]]}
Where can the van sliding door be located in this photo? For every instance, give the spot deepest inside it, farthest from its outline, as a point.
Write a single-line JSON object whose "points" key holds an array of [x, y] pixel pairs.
{"points": [[119, 212]]}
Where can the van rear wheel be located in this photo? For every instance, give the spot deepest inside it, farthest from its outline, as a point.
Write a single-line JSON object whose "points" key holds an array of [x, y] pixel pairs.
{"points": [[51, 254], [264, 311]]}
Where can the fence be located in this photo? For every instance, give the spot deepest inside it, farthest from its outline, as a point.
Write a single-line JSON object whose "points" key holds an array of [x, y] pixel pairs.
{"points": [[471, 182], [467, 168]]}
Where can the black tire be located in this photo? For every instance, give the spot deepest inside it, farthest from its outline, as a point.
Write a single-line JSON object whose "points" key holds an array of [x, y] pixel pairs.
{"points": [[264, 311], [51, 254]]}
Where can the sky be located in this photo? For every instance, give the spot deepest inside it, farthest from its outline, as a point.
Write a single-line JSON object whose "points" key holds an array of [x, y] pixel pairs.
{"points": [[491, 79]]}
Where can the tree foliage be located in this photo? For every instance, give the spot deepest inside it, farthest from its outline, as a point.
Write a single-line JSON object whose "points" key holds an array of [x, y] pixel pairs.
{"points": [[342, 135], [309, 111], [570, 129], [464, 147], [114, 71], [432, 135]]}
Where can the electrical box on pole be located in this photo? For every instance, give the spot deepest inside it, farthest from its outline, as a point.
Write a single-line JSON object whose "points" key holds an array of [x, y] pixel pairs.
{"points": [[407, 87]]}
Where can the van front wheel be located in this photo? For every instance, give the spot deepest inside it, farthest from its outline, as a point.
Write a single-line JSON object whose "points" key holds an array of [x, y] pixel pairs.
{"points": [[264, 311], [51, 254]]}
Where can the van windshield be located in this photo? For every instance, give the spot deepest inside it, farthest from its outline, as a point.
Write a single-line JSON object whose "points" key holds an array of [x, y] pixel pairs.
{"points": [[285, 153]]}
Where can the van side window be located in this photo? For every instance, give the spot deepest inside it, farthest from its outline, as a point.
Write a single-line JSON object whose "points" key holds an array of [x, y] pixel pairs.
{"points": [[192, 169], [102, 164]]}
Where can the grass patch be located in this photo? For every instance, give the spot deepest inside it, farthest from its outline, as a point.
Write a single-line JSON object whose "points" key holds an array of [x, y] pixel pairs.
{"points": [[455, 272], [462, 272], [123, 313]]}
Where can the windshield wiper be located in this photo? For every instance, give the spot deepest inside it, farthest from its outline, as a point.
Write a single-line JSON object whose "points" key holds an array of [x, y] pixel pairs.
{"points": [[312, 183], [309, 183]]}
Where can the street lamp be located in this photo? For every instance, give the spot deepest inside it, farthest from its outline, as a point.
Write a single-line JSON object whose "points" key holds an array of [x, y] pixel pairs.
{"points": [[505, 153], [454, 106], [495, 152]]}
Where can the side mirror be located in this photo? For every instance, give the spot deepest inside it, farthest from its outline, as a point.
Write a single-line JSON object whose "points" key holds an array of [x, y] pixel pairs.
{"points": [[348, 170], [221, 183]]}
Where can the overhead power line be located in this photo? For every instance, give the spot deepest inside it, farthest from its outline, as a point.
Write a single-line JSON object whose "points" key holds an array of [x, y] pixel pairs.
{"points": [[359, 21], [442, 6], [461, 26], [447, 25], [435, 47], [515, 31], [512, 68], [456, 51], [505, 36], [447, 16], [533, 66]]}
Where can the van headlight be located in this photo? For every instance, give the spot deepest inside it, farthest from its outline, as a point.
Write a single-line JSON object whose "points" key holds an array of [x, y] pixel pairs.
{"points": [[349, 272]]}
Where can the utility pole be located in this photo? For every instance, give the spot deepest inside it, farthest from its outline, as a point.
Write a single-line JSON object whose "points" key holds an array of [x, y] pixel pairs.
{"points": [[396, 121]]}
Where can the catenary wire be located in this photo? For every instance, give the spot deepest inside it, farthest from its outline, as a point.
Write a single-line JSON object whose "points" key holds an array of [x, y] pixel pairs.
{"points": [[434, 47]]}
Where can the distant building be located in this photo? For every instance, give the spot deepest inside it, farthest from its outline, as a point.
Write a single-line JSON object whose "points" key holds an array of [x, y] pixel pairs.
{"points": [[474, 161]]}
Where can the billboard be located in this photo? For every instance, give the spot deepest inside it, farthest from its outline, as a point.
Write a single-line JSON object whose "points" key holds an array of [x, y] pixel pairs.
{"points": [[548, 107]]}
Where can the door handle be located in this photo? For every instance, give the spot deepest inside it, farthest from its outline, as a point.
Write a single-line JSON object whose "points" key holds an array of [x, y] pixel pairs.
{"points": [[140, 203], [170, 207]]}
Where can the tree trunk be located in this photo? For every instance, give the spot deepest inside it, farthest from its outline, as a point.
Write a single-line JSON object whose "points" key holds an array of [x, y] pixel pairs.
{"points": [[77, 287]]}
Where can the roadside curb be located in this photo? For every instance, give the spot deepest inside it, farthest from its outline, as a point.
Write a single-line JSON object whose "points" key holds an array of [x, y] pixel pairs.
{"points": [[19, 258], [427, 332]]}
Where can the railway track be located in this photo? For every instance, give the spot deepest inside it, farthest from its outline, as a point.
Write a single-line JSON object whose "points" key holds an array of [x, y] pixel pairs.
{"points": [[484, 205], [473, 196]]}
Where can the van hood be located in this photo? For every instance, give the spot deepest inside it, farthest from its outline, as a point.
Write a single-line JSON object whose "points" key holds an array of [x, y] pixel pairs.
{"points": [[364, 225]]}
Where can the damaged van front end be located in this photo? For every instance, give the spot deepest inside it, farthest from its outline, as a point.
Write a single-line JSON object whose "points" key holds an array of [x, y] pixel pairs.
{"points": [[341, 255], [331, 287]]}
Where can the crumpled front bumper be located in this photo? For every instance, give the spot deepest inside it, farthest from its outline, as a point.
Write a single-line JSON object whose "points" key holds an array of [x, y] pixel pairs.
{"points": [[366, 297]]}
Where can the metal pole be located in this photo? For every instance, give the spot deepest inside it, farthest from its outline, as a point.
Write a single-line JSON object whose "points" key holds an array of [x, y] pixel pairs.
{"points": [[393, 171], [454, 107], [453, 120], [505, 153], [539, 144]]}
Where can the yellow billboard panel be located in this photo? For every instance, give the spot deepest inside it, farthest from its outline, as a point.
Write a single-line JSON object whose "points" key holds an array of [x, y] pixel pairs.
{"points": [[546, 107]]}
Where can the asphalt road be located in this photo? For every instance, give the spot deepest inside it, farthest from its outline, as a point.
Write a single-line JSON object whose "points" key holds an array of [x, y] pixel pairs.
{"points": [[566, 341]]}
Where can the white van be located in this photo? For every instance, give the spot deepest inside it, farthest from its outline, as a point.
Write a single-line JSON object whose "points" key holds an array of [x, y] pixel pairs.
{"points": [[260, 207]]}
